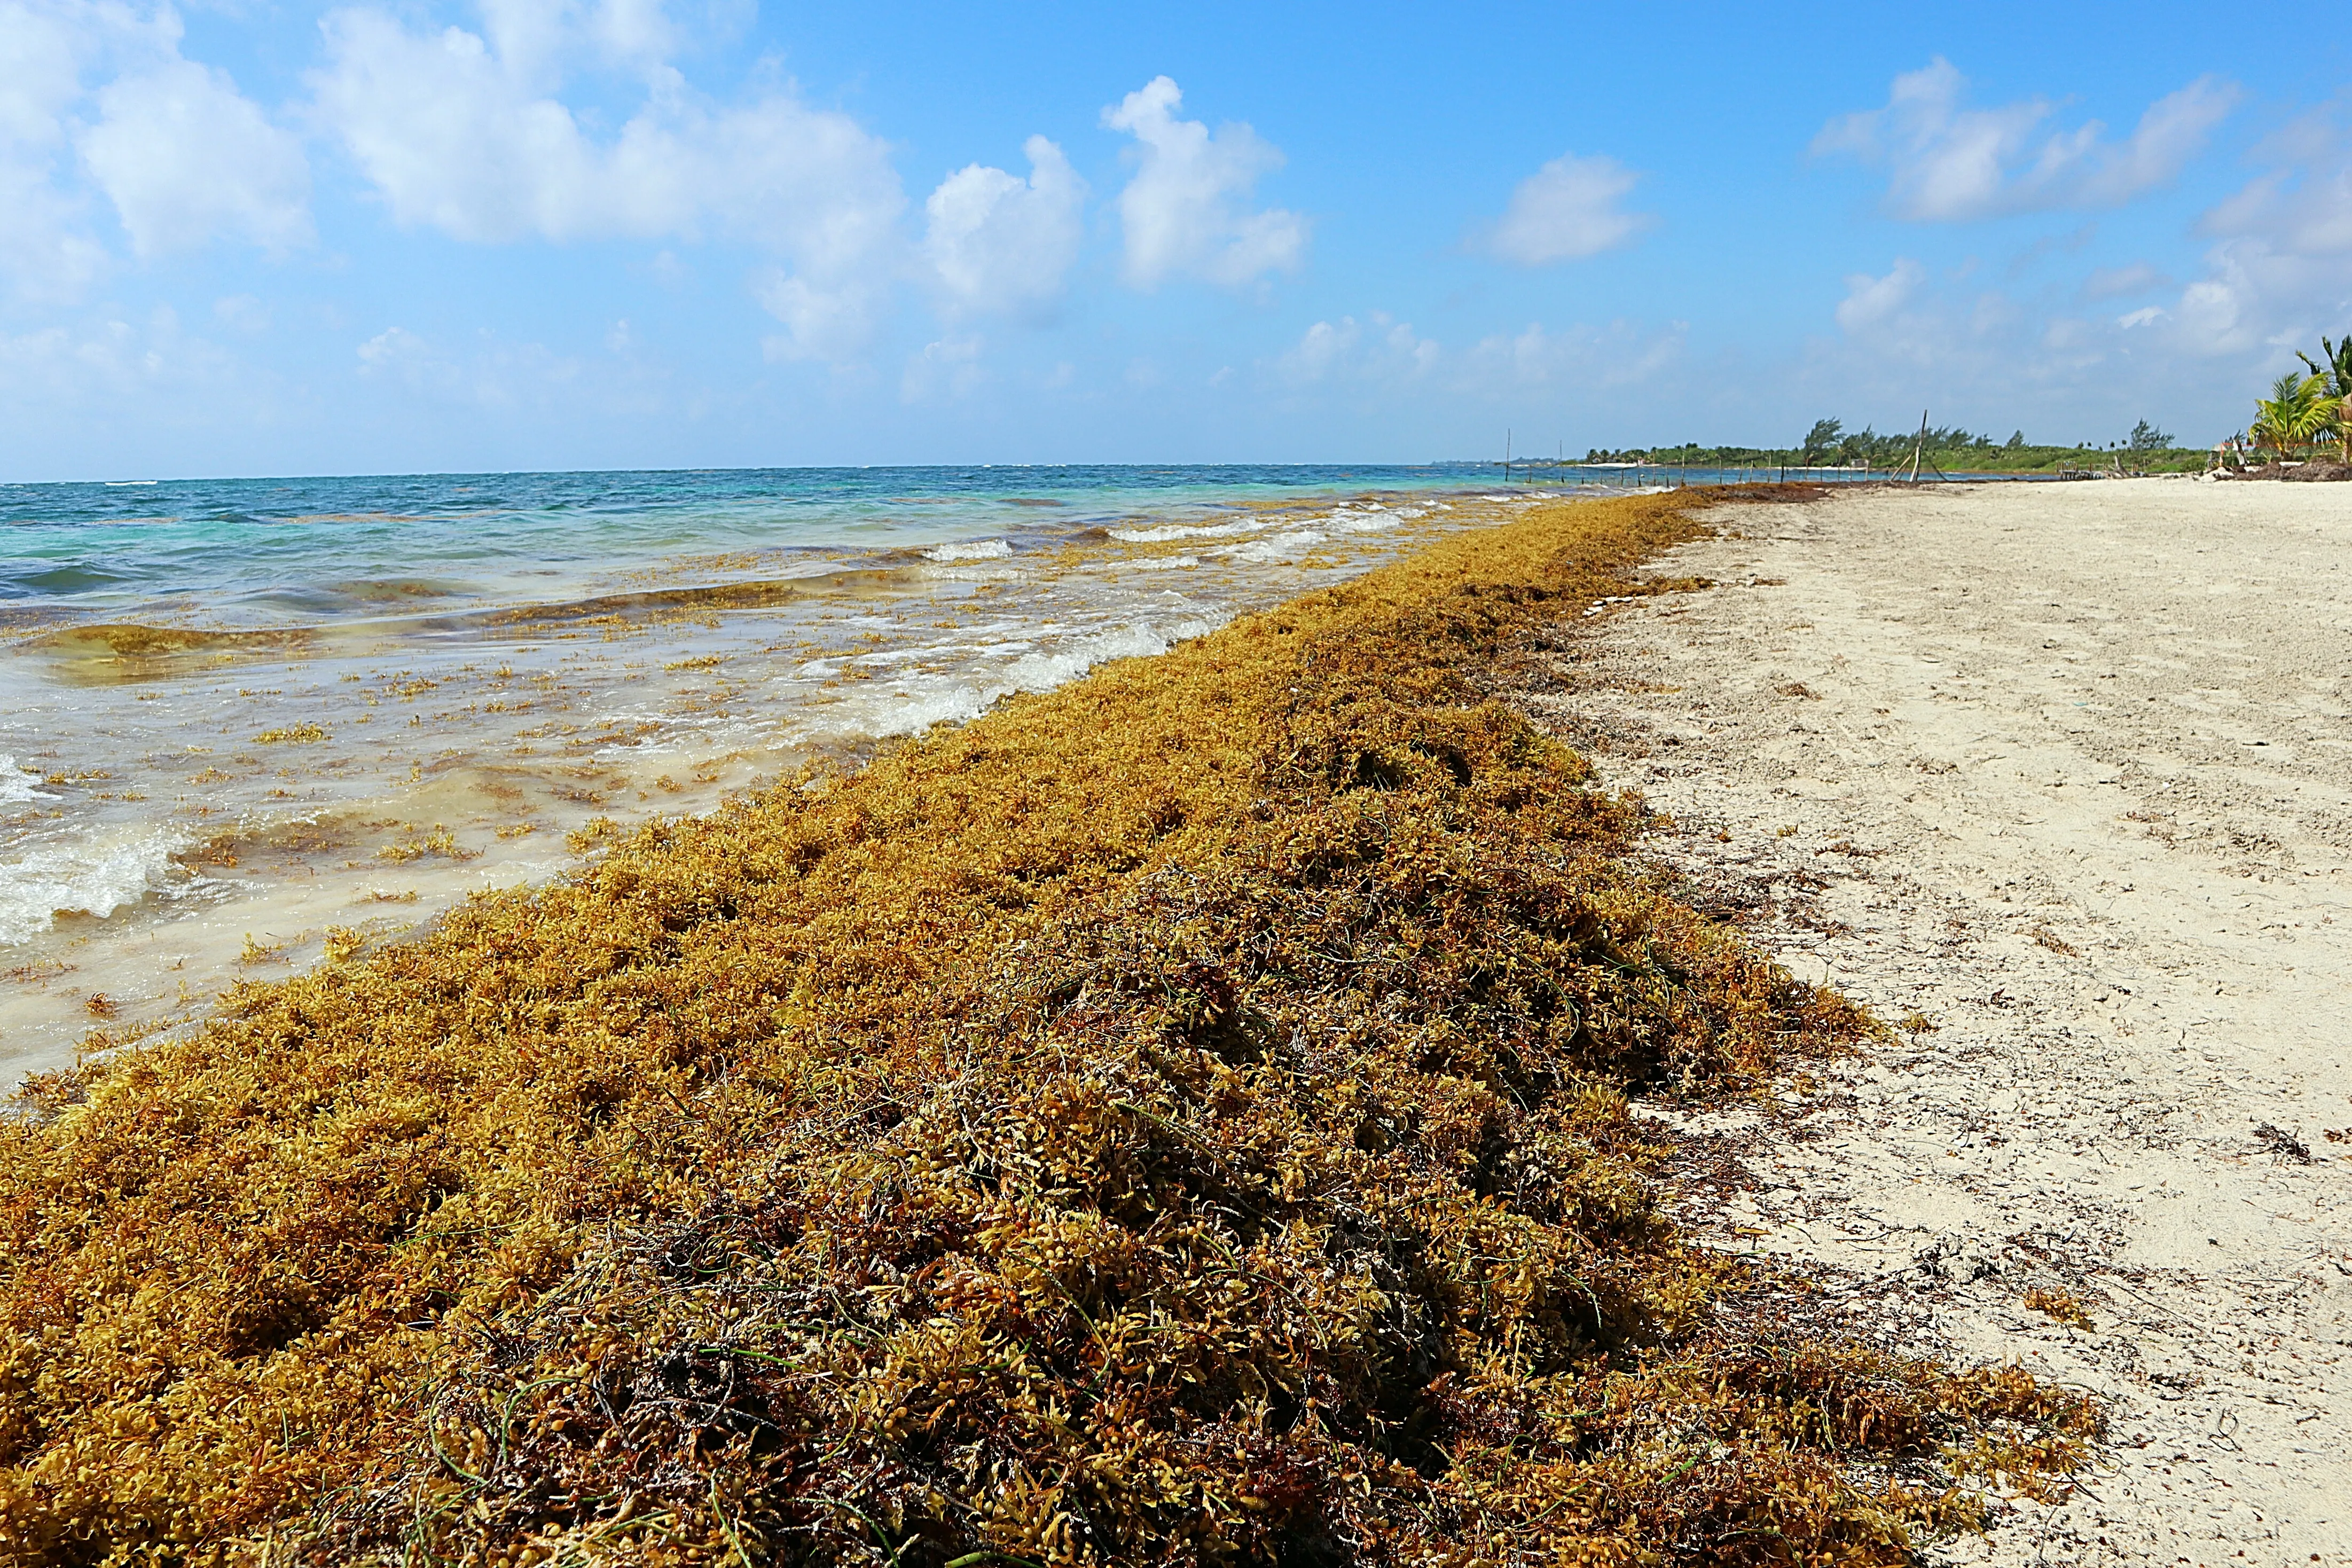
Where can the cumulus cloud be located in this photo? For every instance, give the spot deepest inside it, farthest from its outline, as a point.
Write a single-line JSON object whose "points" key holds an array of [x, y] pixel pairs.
{"points": [[458, 137], [490, 138], [1949, 163], [1566, 210], [2279, 272], [997, 244], [102, 91], [184, 157], [464, 133], [1185, 213], [1378, 349]]}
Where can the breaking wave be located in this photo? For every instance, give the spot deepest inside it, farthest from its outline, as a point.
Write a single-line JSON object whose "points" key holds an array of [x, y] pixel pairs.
{"points": [[971, 550], [18, 785], [107, 872]]}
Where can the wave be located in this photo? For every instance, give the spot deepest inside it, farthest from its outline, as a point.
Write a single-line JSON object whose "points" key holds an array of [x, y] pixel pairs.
{"points": [[107, 873], [1281, 549], [905, 709], [975, 550], [1203, 531], [18, 785]]}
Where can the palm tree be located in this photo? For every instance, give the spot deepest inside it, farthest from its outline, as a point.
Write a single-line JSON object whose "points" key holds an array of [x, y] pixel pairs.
{"points": [[2298, 411], [2337, 370]]}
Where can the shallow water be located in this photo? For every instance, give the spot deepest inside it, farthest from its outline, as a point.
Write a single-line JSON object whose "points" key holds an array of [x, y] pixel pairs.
{"points": [[244, 716]]}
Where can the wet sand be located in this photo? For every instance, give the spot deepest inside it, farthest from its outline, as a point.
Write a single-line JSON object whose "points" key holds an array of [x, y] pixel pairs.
{"points": [[2058, 779]]}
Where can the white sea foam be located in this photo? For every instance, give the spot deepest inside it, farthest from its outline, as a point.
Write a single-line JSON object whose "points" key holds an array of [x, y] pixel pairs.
{"points": [[18, 785], [1165, 562], [969, 550], [1284, 547], [1203, 531], [912, 705], [107, 872]]}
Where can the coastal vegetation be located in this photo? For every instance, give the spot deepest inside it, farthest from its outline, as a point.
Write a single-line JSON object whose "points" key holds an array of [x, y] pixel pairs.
{"points": [[2305, 421], [1950, 449], [1185, 1117], [2294, 415]]}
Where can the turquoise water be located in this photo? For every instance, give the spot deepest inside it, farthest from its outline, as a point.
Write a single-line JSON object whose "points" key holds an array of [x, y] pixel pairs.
{"points": [[258, 553], [241, 715]]}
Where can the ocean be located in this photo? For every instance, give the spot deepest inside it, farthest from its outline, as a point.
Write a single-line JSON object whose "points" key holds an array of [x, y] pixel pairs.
{"points": [[247, 720]]}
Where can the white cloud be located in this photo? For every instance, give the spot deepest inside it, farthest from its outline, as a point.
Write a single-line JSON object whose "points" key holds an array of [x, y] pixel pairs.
{"points": [[1946, 162], [1872, 300], [997, 244], [457, 137], [1581, 358], [491, 374], [395, 349], [184, 157], [1184, 213], [465, 135], [45, 248], [820, 322], [2280, 272], [1379, 349], [1566, 210], [107, 368], [537, 36]]}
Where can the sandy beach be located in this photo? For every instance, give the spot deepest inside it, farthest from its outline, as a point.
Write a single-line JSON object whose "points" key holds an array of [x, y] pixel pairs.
{"points": [[2055, 779]]}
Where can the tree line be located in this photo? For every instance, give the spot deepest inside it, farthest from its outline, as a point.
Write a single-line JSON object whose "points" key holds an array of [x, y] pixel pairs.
{"points": [[1829, 444]]}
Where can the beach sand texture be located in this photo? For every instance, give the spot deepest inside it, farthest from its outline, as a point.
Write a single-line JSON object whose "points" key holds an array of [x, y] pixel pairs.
{"points": [[2061, 772]]}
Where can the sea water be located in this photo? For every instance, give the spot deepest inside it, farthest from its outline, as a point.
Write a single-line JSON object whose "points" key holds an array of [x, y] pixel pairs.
{"points": [[244, 719]]}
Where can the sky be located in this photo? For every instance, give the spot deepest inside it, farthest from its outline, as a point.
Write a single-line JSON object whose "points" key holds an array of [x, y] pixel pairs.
{"points": [[429, 236]]}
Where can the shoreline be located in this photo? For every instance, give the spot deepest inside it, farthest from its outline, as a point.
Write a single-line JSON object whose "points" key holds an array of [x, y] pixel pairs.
{"points": [[203, 813]]}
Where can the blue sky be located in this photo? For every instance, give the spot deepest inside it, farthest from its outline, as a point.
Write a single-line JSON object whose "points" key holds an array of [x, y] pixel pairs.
{"points": [[413, 235]]}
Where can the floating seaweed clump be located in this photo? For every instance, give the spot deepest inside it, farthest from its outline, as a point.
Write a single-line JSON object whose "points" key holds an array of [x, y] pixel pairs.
{"points": [[1182, 1118]]}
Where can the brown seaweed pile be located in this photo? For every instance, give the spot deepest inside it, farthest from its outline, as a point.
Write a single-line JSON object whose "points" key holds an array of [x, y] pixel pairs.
{"points": [[1179, 1118]]}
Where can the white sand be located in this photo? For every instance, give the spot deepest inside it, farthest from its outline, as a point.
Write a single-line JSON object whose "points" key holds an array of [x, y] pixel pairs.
{"points": [[2067, 769]]}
